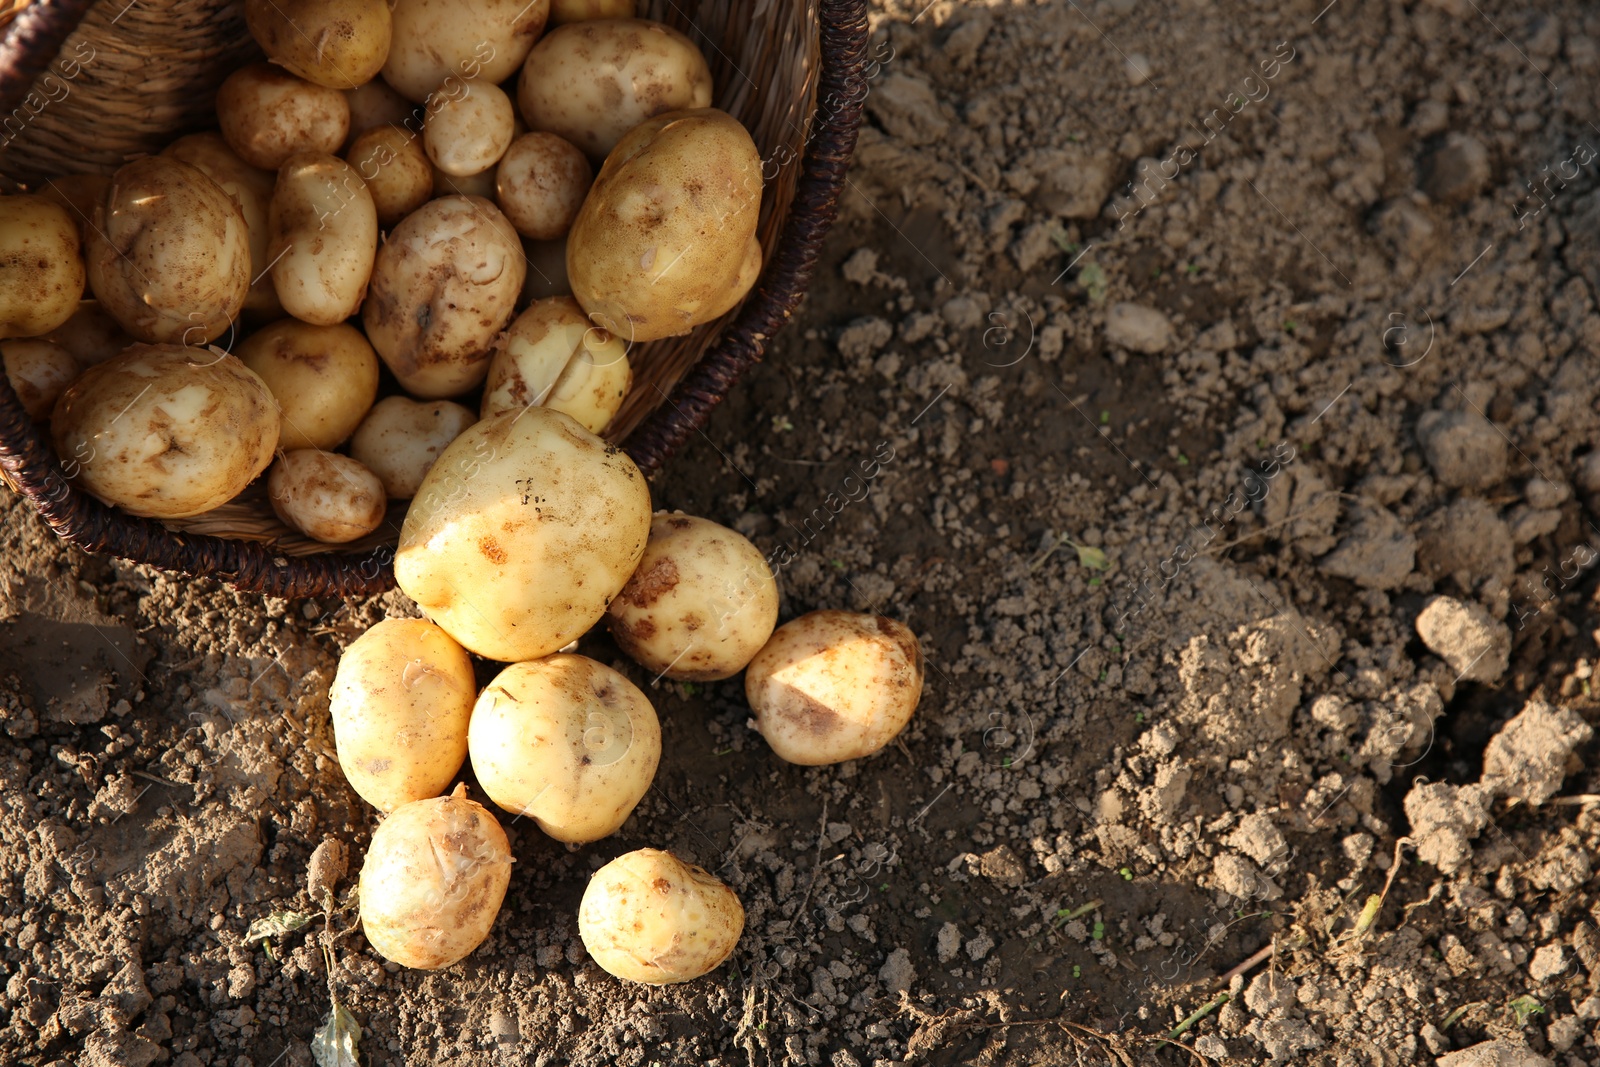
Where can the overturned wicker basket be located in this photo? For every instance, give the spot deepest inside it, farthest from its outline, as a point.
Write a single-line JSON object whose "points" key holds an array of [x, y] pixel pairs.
{"points": [[790, 70]]}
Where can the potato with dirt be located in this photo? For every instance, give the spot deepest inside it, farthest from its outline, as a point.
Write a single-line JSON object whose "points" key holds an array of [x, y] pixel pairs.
{"points": [[38, 371], [401, 438], [565, 11], [401, 701], [649, 917], [566, 741], [251, 189], [326, 496], [439, 45], [468, 132], [433, 881], [552, 356], [91, 334], [324, 238], [540, 185], [166, 431], [395, 169], [324, 378], [267, 115], [337, 43], [522, 533]]}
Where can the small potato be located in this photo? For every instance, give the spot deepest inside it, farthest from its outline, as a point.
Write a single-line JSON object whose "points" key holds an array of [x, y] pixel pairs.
{"points": [[324, 378], [337, 43], [396, 170], [169, 257], [400, 438], [547, 270], [251, 189], [166, 431], [438, 44], [400, 702], [471, 185], [650, 917], [834, 686], [665, 238], [38, 371], [41, 266], [565, 11], [566, 741], [91, 335], [467, 133], [445, 283], [326, 496], [324, 229], [541, 183], [522, 533], [268, 115], [433, 881], [591, 82], [552, 356], [376, 104], [701, 604]]}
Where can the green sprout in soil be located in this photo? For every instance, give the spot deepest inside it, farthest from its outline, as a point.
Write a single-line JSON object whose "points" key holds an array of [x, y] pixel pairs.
{"points": [[1126, 872], [1183, 460], [1098, 933], [1192, 269], [1525, 1007], [1064, 915], [1092, 279], [1456, 1016], [1105, 418], [689, 689], [1077, 972], [1089, 556], [1138, 716], [781, 423], [1059, 238], [1289, 325], [722, 751], [836, 564]]}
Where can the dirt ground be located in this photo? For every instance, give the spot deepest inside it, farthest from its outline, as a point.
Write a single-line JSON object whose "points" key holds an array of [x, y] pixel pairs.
{"points": [[1232, 375]]}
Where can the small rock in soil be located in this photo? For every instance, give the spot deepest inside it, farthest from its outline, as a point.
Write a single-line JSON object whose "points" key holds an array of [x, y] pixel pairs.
{"points": [[1463, 448], [1378, 554], [1529, 757], [1140, 328], [1475, 644], [1459, 170], [1444, 820], [1499, 1053]]}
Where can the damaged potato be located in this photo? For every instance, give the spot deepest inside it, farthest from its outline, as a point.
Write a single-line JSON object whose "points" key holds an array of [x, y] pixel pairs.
{"points": [[649, 917], [38, 371], [326, 496], [553, 357], [401, 438]]}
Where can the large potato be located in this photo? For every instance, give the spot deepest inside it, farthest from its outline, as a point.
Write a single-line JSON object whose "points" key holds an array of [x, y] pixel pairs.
{"points": [[400, 702], [650, 917], [324, 378], [701, 604], [593, 81], [566, 741], [326, 496], [251, 189], [337, 43], [439, 44], [268, 115], [41, 266], [540, 185], [834, 686], [38, 371], [433, 881], [467, 133], [166, 431], [324, 229], [553, 356], [169, 257], [401, 438], [666, 237], [396, 170], [444, 284], [522, 533]]}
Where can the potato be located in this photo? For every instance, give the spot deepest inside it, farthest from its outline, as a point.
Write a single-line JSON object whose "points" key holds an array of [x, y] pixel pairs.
{"points": [[701, 604], [401, 438], [166, 431], [268, 115], [396, 170], [324, 378], [433, 881], [468, 132], [41, 266], [649, 917], [832, 686], [591, 82], [547, 270], [566, 741], [251, 189], [326, 496], [471, 185], [337, 43], [565, 11], [541, 183], [664, 240], [91, 335], [522, 533], [400, 703], [376, 104], [438, 44], [38, 371], [78, 193], [552, 356], [445, 283], [324, 228]]}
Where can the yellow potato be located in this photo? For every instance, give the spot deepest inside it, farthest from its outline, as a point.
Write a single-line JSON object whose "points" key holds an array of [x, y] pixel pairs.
{"points": [[326, 496], [41, 266], [593, 81], [251, 189], [540, 185], [553, 357], [91, 335], [832, 686], [664, 240], [268, 115], [445, 283], [337, 43], [324, 229], [467, 133], [701, 604], [649, 917], [166, 431], [169, 257], [566, 741], [400, 702], [38, 371], [438, 44], [391, 162], [433, 881], [376, 104], [324, 378], [401, 438], [522, 533], [565, 11]]}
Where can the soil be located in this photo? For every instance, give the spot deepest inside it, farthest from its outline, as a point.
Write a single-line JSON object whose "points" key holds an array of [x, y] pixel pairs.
{"points": [[1229, 376]]}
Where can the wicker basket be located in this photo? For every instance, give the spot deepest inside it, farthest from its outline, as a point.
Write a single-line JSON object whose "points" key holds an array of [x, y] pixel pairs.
{"points": [[790, 70]]}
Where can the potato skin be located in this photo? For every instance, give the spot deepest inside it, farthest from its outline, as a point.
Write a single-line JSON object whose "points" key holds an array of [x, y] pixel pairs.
{"points": [[326, 496], [438, 44], [433, 881], [649, 917], [565, 11], [540, 185], [568, 742], [522, 533], [401, 700], [91, 334], [324, 378], [376, 104], [38, 371], [166, 431], [251, 189], [169, 256], [663, 240], [401, 438], [468, 132], [337, 43], [552, 356], [324, 229], [267, 115], [832, 686], [396, 170]]}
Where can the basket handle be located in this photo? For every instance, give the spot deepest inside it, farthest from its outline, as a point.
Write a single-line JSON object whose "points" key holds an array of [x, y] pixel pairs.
{"points": [[32, 43]]}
